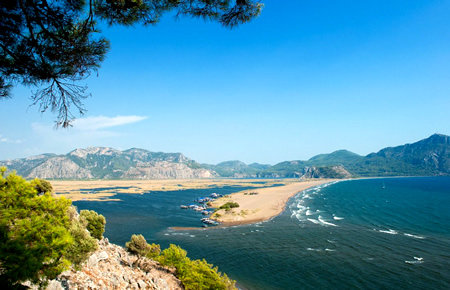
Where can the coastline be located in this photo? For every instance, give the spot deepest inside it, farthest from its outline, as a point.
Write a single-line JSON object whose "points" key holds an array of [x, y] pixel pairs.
{"points": [[257, 205], [262, 204]]}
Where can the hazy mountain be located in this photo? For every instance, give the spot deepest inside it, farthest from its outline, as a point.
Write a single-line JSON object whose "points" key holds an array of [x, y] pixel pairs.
{"points": [[429, 156], [340, 157], [237, 169]]}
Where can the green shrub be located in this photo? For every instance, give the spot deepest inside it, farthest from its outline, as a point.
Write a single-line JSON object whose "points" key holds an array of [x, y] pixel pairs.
{"points": [[197, 274], [84, 244], [95, 223], [229, 205], [34, 235], [138, 245], [155, 251], [173, 256]]}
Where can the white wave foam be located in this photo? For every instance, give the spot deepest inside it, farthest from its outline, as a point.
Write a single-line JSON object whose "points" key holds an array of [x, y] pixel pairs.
{"points": [[325, 222], [315, 250], [390, 231], [414, 262], [414, 236], [314, 221], [301, 211]]}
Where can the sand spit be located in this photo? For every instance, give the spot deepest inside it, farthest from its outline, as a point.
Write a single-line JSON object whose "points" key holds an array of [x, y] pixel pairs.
{"points": [[260, 204]]}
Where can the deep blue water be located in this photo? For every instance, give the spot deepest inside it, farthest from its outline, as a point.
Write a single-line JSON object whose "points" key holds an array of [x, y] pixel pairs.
{"points": [[371, 234]]}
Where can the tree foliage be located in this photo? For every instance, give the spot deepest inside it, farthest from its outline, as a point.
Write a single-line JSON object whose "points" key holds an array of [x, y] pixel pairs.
{"points": [[52, 45], [34, 235], [95, 223], [42, 186], [40, 235]]}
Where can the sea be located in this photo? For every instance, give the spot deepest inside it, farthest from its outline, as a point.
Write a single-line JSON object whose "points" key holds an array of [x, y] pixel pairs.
{"points": [[383, 233]]}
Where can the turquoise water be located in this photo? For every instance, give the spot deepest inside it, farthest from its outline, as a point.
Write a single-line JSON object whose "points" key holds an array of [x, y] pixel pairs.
{"points": [[374, 233]]}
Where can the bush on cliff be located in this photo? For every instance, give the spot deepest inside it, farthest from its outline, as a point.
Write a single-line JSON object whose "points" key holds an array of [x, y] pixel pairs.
{"points": [[95, 223], [194, 274], [139, 246], [34, 235], [84, 244]]}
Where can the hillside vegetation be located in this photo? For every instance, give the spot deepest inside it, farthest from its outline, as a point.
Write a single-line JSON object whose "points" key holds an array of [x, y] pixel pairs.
{"points": [[41, 236]]}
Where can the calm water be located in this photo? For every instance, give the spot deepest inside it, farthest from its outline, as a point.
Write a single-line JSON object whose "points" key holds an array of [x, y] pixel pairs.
{"points": [[378, 233]]}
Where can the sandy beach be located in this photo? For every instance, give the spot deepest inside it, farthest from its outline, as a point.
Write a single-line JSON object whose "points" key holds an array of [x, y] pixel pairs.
{"points": [[260, 204]]}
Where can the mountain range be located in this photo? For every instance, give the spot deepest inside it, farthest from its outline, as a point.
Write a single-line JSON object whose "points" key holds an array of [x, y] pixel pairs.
{"points": [[430, 156]]}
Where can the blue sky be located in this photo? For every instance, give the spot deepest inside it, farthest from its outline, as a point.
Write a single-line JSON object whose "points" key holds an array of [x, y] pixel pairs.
{"points": [[306, 77]]}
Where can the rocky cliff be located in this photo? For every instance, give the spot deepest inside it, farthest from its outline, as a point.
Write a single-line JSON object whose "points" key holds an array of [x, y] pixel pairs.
{"points": [[112, 267]]}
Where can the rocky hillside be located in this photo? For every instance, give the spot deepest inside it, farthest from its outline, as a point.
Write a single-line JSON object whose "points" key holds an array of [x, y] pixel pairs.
{"points": [[112, 267], [109, 163]]}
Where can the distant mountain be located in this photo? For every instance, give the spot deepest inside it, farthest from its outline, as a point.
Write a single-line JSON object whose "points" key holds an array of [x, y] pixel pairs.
{"points": [[109, 163], [430, 156], [237, 169], [340, 157]]}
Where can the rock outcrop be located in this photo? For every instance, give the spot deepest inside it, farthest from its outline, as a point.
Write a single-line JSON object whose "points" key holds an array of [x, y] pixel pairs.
{"points": [[112, 267], [60, 167], [166, 170]]}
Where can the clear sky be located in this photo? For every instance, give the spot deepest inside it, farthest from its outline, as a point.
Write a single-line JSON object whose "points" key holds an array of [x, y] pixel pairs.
{"points": [[306, 77]]}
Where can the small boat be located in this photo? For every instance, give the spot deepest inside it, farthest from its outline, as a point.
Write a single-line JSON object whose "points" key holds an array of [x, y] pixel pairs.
{"points": [[210, 222], [199, 208], [205, 212], [184, 206]]}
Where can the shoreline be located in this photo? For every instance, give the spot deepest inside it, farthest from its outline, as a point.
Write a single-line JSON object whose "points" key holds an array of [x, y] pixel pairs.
{"points": [[262, 205]]}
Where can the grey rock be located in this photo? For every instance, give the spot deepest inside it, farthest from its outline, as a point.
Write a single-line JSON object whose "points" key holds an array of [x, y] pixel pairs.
{"points": [[54, 285]]}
